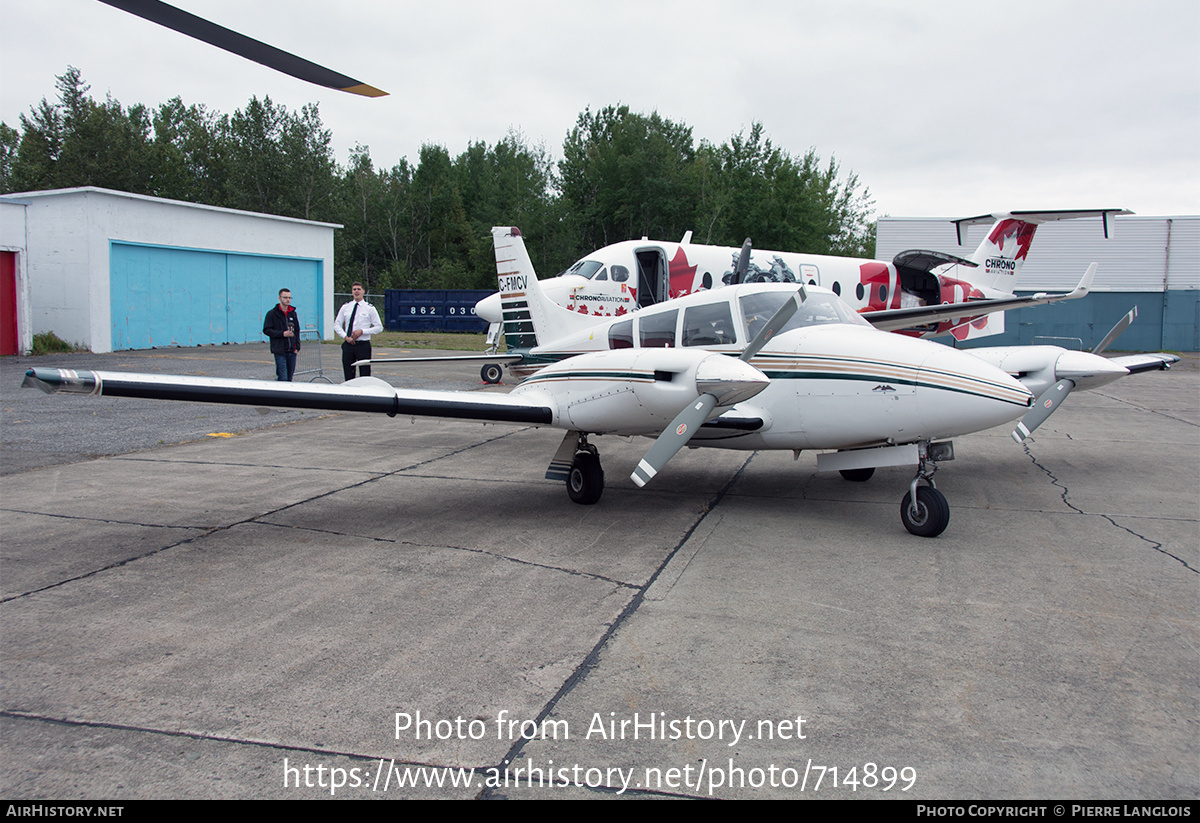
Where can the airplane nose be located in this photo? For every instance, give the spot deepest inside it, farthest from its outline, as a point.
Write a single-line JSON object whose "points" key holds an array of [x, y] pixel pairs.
{"points": [[973, 394], [489, 309]]}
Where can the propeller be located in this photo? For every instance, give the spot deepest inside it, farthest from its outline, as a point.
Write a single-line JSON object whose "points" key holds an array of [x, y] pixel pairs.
{"points": [[1116, 330], [1047, 403], [721, 381], [1049, 400], [223, 38], [742, 265]]}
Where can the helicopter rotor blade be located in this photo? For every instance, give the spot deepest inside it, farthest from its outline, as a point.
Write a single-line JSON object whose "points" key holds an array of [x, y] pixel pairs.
{"points": [[239, 44]]}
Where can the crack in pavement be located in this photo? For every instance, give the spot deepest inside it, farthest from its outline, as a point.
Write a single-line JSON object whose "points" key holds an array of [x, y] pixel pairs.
{"points": [[1156, 546], [211, 530], [592, 659]]}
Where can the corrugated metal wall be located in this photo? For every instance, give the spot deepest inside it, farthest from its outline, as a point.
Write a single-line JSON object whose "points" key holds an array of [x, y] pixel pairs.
{"points": [[163, 296], [1151, 262]]}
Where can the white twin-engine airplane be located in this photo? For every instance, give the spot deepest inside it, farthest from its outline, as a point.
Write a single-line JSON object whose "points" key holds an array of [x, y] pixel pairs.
{"points": [[632, 275], [753, 366]]}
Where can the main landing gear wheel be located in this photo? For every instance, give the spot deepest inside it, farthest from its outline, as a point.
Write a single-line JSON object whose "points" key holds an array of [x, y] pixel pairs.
{"points": [[491, 373], [858, 475], [585, 482], [931, 514]]}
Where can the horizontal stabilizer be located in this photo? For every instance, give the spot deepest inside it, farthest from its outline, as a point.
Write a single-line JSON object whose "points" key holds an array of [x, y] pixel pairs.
{"points": [[1036, 217]]}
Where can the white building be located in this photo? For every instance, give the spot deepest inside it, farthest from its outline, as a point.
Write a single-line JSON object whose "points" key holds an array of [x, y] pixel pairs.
{"points": [[112, 270], [1150, 262]]}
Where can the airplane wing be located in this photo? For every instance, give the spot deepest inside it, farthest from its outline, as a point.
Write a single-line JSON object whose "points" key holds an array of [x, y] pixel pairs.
{"points": [[1138, 363], [364, 394], [893, 319]]}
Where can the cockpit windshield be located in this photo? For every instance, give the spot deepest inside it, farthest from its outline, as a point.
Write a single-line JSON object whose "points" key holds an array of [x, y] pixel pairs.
{"points": [[585, 268], [817, 310]]}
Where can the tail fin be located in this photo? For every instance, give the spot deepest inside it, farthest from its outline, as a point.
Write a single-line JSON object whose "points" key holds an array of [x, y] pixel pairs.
{"points": [[530, 318], [1002, 253]]}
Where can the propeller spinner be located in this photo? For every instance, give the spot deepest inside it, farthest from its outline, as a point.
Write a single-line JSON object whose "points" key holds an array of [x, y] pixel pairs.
{"points": [[725, 382]]}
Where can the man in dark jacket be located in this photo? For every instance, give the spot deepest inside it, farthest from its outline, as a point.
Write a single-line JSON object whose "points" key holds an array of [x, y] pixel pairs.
{"points": [[282, 325]]}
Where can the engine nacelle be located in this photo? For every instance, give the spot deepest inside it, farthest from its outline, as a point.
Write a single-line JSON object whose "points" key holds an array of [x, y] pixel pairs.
{"points": [[639, 391], [1040, 367]]}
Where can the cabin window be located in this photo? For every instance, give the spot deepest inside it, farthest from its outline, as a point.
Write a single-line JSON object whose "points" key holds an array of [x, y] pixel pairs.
{"points": [[620, 274], [620, 335], [656, 331], [817, 310], [710, 325], [585, 268]]}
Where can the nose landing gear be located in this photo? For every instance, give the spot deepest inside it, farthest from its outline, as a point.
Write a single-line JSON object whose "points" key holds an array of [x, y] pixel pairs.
{"points": [[578, 464], [924, 510], [585, 482]]}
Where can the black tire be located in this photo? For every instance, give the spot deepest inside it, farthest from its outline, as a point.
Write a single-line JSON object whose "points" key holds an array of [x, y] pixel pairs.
{"points": [[491, 372], [585, 481], [858, 475], [933, 512]]}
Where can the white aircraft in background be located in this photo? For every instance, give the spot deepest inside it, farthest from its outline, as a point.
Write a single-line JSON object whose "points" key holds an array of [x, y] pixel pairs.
{"points": [[753, 366], [632, 275]]}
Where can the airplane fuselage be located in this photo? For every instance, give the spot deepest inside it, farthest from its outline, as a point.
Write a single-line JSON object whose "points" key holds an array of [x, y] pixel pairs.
{"points": [[625, 277], [834, 381]]}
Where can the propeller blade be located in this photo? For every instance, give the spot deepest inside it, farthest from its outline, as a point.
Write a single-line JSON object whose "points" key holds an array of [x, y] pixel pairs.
{"points": [[1045, 406], [778, 320], [743, 264], [1116, 330], [223, 38], [673, 438]]}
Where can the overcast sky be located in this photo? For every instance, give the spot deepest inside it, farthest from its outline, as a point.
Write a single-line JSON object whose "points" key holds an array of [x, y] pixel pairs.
{"points": [[941, 108]]}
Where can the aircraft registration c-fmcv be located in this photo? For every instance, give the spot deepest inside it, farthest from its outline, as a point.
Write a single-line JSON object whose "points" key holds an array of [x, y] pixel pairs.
{"points": [[752, 366]]}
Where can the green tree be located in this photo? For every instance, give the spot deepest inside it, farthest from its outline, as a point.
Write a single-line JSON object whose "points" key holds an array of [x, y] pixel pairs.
{"points": [[310, 170], [506, 184], [257, 167], [626, 175], [444, 241], [357, 248], [10, 141], [35, 164], [748, 187], [190, 153]]}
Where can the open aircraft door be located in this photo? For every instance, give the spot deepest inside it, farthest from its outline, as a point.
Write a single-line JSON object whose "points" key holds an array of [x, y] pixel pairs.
{"points": [[653, 276]]}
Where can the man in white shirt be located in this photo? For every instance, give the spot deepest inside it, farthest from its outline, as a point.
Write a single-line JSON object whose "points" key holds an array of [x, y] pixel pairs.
{"points": [[356, 322]]}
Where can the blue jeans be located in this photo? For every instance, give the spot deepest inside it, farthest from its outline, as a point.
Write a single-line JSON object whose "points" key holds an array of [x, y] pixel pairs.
{"points": [[285, 366]]}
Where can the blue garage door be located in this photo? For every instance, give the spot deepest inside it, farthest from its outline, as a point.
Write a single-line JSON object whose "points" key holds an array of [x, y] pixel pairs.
{"points": [[164, 296]]}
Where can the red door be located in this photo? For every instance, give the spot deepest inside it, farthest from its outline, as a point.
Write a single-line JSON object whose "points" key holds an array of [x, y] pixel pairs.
{"points": [[8, 302]]}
